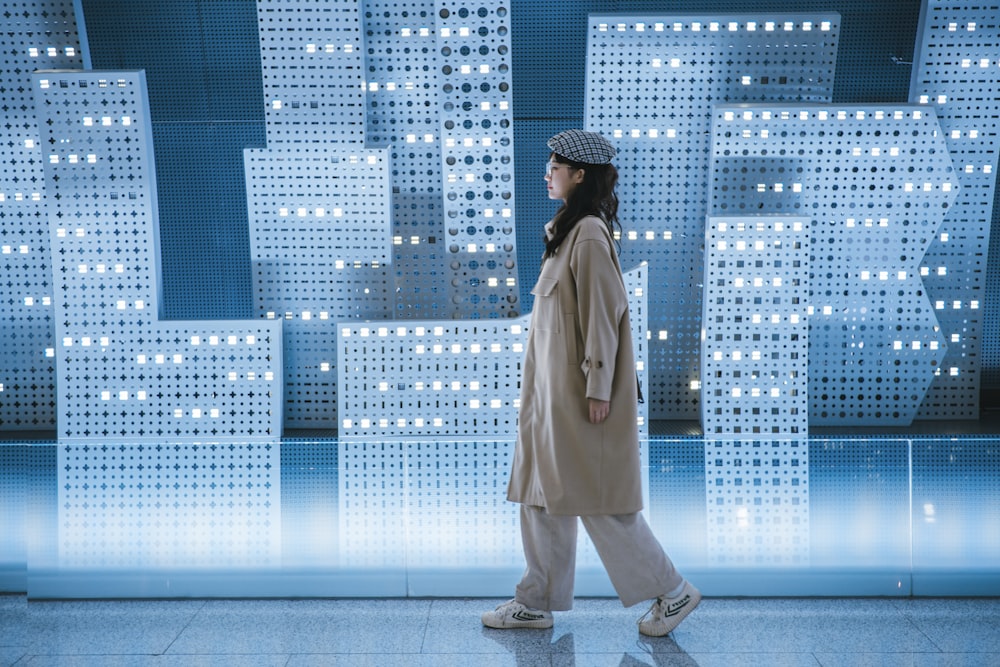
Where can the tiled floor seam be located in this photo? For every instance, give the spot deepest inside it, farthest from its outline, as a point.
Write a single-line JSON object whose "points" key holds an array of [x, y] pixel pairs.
{"points": [[191, 620]]}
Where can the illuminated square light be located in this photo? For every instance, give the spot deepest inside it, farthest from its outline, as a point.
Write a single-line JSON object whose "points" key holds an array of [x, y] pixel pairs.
{"points": [[325, 367], [418, 422], [474, 404], [196, 413], [366, 423], [438, 422], [420, 349], [214, 413], [141, 395], [348, 423], [736, 392], [662, 335], [178, 413], [438, 348]]}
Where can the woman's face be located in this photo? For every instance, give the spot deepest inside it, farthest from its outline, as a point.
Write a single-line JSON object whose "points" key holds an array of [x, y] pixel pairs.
{"points": [[561, 179]]}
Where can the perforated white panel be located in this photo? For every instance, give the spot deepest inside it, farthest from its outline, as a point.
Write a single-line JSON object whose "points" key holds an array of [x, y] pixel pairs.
{"points": [[169, 506], [956, 71], [757, 493], [413, 379], [478, 150], [875, 183], [432, 505], [651, 84], [755, 345], [124, 375], [319, 230], [312, 60], [403, 111], [35, 35], [434, 81]]}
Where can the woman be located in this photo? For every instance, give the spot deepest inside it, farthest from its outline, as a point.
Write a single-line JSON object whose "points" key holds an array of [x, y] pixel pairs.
{"points": [[577, 452]]}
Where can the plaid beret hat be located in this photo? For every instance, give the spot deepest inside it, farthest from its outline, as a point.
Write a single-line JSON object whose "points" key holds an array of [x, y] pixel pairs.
{"points": [[583, 146]]}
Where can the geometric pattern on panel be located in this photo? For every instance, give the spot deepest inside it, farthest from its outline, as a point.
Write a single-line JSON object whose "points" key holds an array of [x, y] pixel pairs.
{"points": [[123, 374], [402, 112], [651, 83], [755, 346], [169, 506], [312, 62], [956, 70], [429, 505], [757, 494], [434, 85], [319, 243], [411, 379], [875, 182], [477, 150], [35, 35]]}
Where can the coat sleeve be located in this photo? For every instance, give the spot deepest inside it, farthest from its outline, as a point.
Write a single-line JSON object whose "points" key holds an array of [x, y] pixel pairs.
{"points": [[602, 303]]}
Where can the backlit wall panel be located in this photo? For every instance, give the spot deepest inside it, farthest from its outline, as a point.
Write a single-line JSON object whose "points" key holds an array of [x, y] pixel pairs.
{"points": [[312, 61], [420, 379], [477, 151], [124, 375], [874, 183], [402, 96], [755, 345], [35, 35], [319, 242], [956, 71], [652, 81], [174, 507], [757, 494]]}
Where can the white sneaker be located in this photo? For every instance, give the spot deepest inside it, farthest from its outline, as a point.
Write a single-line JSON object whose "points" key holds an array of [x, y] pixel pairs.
{"points": [[667, 613], [513, 614]]}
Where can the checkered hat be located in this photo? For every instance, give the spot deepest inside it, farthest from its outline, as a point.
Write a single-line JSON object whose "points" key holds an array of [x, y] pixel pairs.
{"points": [[583, 146]]}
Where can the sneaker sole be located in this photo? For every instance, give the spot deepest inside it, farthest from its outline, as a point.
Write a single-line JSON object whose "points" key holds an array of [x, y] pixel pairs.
{"points": [[674, 619]]}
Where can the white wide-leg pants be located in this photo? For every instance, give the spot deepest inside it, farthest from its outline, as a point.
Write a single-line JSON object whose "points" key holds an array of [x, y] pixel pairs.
{"points": [[638, 567]]}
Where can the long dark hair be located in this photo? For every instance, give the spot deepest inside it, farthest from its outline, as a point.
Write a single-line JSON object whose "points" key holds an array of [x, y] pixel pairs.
{"points": [[595, 195]]}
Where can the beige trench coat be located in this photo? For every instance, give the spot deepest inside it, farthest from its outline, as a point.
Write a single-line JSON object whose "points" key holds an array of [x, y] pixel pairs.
{"points": [[579, 347]]}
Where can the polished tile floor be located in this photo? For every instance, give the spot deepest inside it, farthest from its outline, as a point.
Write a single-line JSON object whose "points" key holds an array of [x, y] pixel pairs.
{"points": [[432, 632]]}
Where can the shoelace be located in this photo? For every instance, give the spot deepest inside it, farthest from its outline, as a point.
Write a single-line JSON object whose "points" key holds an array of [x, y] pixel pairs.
{"points": [[652, 609]]}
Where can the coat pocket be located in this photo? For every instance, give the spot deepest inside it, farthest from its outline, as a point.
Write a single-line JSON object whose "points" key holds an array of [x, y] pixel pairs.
{"points": [[546, 315]]}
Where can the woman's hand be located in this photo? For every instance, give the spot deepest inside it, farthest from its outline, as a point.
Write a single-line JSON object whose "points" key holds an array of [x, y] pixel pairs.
{"points": [[598, 410]]}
